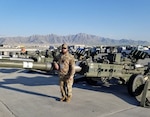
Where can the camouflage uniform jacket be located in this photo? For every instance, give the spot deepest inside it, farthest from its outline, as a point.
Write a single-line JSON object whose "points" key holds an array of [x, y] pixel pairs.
{"points": [[66, 65]]}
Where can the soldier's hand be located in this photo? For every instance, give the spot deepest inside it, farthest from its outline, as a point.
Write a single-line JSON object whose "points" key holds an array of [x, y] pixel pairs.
{"points": [[56, 66]]}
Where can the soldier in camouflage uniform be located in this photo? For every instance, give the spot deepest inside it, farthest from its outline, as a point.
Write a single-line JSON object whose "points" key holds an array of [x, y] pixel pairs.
{"points": [[65, 65]]}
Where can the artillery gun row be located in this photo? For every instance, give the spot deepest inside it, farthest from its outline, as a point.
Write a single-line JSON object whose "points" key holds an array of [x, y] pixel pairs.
{"points": [[95, 68]]}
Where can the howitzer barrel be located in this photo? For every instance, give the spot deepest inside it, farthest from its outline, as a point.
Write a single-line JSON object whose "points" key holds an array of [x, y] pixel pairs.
{"points": [[31, 65], [26, 65], [16, 59]]}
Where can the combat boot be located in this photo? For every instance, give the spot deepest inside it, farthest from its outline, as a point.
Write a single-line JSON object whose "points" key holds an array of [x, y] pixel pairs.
{"points": [[68, 99], [63, 99]]}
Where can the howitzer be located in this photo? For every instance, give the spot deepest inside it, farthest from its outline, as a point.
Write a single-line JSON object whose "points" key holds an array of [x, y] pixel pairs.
{"points": [[37, 56], [39, 60], [125, 70], [112, 65]]}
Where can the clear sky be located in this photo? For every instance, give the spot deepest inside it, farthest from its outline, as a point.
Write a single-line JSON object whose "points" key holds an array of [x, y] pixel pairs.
{"points": [[116, 19]]}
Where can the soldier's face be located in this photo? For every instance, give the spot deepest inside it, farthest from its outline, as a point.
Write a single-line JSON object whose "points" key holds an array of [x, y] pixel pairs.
{"points": [[64, 50]]}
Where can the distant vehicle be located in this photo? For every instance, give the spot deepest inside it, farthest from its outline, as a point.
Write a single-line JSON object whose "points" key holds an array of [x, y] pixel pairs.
{"points": [[126, 52]]}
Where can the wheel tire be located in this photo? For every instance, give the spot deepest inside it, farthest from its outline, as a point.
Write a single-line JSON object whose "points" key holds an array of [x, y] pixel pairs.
{"points": [[135, 85]]}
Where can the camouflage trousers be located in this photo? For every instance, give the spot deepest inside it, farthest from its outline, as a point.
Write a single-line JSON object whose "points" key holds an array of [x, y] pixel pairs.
{"points": [[66, 87]]}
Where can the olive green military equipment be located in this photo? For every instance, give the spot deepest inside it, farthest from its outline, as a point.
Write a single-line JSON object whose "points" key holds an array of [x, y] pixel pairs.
{"points": [[125, 70], [26, 65], [31, 65]]}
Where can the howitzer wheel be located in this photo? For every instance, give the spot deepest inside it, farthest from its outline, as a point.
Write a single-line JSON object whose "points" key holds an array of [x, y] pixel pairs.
{"points": [[135, 85]]}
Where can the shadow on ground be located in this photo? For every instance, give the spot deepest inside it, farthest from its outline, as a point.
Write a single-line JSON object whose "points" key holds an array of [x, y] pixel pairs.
{"points": [[113, 88], [117, 90], [39, 80]]}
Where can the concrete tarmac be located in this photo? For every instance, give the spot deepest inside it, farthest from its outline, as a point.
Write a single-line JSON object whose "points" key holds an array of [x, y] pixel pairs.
{"points": [[35, 94]]}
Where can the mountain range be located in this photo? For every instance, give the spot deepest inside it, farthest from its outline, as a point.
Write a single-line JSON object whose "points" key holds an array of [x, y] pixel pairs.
{"points": [[80, 38]]}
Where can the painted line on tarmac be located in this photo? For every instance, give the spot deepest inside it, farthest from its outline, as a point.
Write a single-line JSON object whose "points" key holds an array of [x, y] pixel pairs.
{"points": [[6, 107], [12, 73]]}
